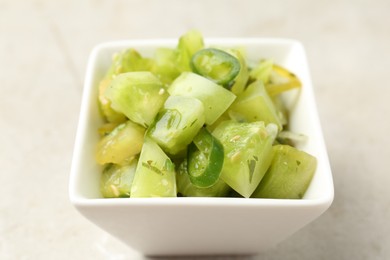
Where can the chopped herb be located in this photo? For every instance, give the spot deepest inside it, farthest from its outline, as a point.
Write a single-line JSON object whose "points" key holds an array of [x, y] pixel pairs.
{"points": [[251, 166], [153, 168]]}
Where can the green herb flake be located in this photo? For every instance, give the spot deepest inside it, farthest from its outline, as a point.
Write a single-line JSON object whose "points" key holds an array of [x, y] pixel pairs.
{"points": [[251, 167]]}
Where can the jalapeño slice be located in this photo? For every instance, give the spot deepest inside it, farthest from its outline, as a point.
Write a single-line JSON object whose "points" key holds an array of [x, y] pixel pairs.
{"points": [[216, 65], [205, 159]]}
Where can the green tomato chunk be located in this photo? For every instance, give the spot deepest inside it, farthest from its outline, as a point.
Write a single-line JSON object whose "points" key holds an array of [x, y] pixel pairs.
{"points": [[248, 153], [216, 99], [138, 95], [289, 176], [165, 65], [116, 180], [254, 104], [188, 45], [155, 173], [121, 144], [125, 61]]}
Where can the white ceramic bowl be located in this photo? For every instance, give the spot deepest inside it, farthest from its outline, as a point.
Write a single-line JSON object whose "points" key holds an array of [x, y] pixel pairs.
{"points": [[181, 226]]}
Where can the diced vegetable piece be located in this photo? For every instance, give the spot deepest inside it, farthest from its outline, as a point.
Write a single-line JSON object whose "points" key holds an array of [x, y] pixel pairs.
{"points": [[262, 71], [105, 105], [116, 180], [107, 128], [289, 176], [177, 123], [192, 85], [126, 61], [254, 104], [187, 189], [205, 159], [189, 44], [216, 65], [281, 80], [165, 65], [138, 95], [248, 153], [124, 142], [241, 80], [155, 173]]}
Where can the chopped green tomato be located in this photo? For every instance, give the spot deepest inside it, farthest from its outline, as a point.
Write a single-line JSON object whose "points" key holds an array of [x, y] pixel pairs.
{"points": [[216, 65], [281, 80], [253, 105], [192, 85], [187, 189], [105, 105], [165, 65], [189, 44], [177, 123], [241, 80], [124, 142], [155, 173], [205, 159], [262, 71], [289, 175], [107, 128], [138, 95], [127, 61], [116, 180], [248, 153]]}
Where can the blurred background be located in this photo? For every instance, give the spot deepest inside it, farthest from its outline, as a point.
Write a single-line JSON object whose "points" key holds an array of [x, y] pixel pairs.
{"points": [[44, 47]]}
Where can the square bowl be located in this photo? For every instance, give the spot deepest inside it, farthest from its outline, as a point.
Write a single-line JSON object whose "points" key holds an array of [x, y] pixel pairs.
{"points": [[183, 226]]}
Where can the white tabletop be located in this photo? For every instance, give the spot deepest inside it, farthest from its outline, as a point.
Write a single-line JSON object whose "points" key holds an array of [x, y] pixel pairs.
{"points": [[44, 46]]}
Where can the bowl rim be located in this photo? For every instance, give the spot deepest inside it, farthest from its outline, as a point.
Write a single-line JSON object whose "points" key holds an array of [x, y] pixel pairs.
{"points": [[324, 200]]}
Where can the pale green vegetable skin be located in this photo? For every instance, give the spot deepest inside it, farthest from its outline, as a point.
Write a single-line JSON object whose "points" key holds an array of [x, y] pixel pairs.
{"points": [[192, 85], [155, 173], [177, 123], [247, 153], [138, 95], [116, 180], [289, 175]]}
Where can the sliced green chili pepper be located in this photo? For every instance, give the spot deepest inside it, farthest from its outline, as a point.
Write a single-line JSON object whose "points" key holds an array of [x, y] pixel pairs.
{"points": [[216, 65], [205, 159]]}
